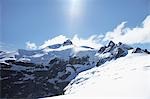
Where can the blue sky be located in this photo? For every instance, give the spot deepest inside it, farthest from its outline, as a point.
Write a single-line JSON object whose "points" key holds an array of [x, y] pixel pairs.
{"points": [[40, 20]]}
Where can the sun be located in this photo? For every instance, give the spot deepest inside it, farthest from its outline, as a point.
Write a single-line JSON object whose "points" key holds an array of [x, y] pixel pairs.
{"points": [[75, 8], [75, 1], [75, 14]]}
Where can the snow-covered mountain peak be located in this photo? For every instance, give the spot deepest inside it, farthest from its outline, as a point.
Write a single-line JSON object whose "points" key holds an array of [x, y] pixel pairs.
{"points": [[67, 42], [51, 69], [111, 44], [56, 46]]}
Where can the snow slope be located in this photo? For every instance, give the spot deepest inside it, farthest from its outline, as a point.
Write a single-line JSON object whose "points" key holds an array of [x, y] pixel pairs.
{"points": [[124, 78]]}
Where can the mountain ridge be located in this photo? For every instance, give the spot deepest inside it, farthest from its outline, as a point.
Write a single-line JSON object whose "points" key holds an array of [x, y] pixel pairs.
{"points": [[48, 71]]}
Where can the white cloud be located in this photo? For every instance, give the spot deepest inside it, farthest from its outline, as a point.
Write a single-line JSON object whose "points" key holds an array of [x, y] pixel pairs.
{"points": [[130, 35], [93, 41], [56, 40], [137, 35], [30, 45]]}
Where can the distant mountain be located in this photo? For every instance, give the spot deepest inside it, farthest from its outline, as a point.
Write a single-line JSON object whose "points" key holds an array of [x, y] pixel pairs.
{"points": [[46, 72], [56, 46]]}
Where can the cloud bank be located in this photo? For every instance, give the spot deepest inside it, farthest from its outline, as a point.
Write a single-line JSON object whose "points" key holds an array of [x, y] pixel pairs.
{"points": [[93, 41], [130, 35], [122, 33], [56, 40], [31, 46]]}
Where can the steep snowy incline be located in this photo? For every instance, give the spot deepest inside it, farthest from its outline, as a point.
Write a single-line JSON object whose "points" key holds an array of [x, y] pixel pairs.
{"points": [[126, 77]]}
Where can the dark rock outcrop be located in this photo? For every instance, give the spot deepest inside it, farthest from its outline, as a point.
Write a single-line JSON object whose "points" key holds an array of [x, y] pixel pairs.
{"points": [[146, 51], [111, 44], [139, 50], [28, 80], [67, 42], [102, 49], [120, 53], [115, 51]]}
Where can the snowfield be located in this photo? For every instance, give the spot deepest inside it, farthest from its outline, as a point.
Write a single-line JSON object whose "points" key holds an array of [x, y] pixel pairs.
{"points": [[124, 78]]}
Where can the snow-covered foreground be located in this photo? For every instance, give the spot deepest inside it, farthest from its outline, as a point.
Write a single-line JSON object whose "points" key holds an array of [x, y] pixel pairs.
{"points": [[126, 78]]}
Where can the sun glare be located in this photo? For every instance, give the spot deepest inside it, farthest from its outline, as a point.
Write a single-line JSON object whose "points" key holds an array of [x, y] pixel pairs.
{"points": [[75, 8], [75, 14]]}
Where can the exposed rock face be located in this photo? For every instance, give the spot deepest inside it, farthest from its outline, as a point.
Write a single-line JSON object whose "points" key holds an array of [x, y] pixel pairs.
{"points": [[56, 46], [87, 47], [111, 44], [110, 47], [29, 80], [139, 50], [146, 51], [102, 49], [25, 81], [68, 42], [120, 52], [114, 50]]}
